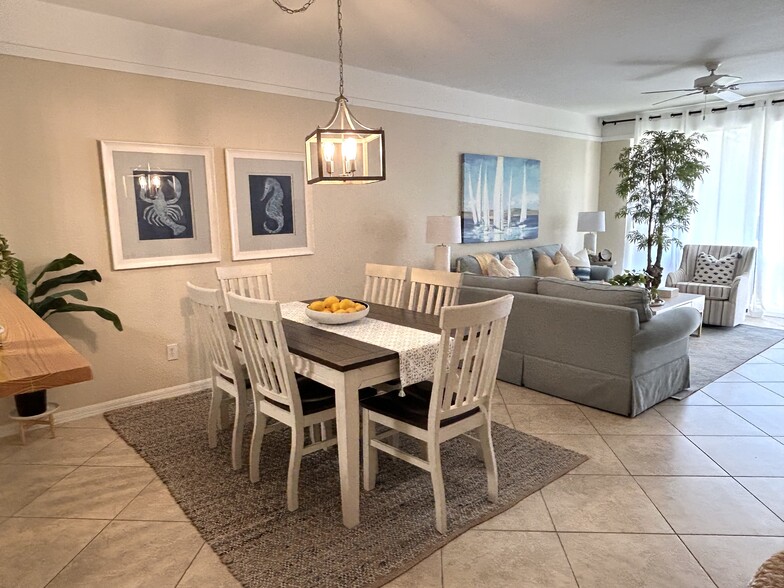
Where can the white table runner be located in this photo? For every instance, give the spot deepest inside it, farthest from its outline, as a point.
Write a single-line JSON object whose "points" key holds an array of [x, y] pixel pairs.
{"points": [[418, 350]]}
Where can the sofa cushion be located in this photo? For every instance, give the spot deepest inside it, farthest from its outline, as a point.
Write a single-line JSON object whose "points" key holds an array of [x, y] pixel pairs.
{"points": [[524, 284], [469, 264], [710, 291], [556, 267], [549, 250], [710, 270], [524, 260], [635, 298], [510, 265]]}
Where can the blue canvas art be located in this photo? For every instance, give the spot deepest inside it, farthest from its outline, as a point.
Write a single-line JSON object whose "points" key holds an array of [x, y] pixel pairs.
{"points": [[271, 210], [500, 198], [163, 205]]}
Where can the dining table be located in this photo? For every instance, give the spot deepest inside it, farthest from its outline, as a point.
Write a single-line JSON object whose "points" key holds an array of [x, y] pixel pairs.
{"points": [[347, 365]]}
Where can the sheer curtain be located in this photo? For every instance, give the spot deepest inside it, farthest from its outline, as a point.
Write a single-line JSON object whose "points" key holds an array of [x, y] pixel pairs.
{"points": [[741, 198]]}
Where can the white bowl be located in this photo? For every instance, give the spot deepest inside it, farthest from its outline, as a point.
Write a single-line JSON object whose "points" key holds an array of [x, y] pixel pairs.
{"points": [[330, 318]]}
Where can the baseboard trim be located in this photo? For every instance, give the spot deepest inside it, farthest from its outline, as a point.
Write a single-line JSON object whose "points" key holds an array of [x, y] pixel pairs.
{"points": [[82, 412]]}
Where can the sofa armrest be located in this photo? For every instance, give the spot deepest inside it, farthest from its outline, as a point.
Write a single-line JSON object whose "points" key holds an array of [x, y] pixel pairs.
{"points": [[675, 277], [665, 328], [601, 273]]}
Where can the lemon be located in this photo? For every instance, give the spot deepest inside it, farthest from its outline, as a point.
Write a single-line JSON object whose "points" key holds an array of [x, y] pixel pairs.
{"points": [[329, 310], [358, 307], [340, 311], [317, 305], [335, 306], [346, 303], [349, 310], [330, 300]]}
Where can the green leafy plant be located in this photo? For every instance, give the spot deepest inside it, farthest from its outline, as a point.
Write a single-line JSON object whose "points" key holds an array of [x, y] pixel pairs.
{"points": [[630, 278], [41, 298], [657, 179]]}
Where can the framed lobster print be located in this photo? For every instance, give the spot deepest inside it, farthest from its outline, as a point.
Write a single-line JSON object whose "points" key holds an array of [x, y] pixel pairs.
{"points": [[160, 201], [269, 204]]}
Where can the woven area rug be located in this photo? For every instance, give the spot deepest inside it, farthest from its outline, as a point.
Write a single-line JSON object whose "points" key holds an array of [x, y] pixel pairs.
{"points": [[264, 545], [721, 349]]}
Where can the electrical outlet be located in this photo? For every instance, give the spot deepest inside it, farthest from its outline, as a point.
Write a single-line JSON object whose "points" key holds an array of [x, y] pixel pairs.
{"points": [[172, 351]]}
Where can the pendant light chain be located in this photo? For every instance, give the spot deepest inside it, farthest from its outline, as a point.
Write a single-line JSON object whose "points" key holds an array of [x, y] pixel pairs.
{"points": [[340, 43], [288, 10]]}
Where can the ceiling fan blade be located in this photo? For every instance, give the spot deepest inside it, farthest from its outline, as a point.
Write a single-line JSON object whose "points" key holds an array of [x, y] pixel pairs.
{"points": [[760, 82], [729, 96], [663, 91], [677, 97]]}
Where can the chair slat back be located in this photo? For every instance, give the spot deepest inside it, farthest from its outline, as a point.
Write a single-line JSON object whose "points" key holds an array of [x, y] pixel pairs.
{"points": [[209, 312], [260, 326], [433, 289], [384, 284], [465, 378], [252, 281]]}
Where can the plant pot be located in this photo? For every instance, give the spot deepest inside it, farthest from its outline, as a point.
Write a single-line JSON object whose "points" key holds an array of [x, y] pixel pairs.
{"points": [[30, 403]]}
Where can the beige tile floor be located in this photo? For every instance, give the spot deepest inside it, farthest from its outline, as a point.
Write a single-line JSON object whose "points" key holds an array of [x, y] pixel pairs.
{"points": [[689, 494]]}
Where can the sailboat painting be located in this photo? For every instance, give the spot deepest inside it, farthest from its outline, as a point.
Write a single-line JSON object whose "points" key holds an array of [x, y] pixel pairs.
{"points": [[500, 198]]}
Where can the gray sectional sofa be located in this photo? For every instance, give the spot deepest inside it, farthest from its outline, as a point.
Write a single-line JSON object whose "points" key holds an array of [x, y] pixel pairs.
{"points": [[594, 344]]}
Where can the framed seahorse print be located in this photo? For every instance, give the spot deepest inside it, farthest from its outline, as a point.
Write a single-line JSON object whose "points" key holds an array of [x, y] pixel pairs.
{"points": [[160, 203], [269, 204]]}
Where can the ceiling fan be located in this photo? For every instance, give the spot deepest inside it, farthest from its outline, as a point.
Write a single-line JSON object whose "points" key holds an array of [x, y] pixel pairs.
{"points": [[721, 85]]}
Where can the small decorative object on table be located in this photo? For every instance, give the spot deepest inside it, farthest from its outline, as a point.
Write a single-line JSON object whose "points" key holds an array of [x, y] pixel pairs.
{"points": [[334, 311], [656, 300], [630, 278]]}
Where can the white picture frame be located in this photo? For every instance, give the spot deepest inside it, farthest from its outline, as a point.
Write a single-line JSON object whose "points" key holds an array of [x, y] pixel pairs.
{"points": [[173, 224], [270, 204]]}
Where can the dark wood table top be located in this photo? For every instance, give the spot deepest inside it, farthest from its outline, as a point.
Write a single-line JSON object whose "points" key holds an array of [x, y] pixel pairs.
{"points": [[344, 353]]}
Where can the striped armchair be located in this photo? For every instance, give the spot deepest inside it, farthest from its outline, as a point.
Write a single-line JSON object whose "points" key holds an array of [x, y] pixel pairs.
{"points": [[725, 306]]}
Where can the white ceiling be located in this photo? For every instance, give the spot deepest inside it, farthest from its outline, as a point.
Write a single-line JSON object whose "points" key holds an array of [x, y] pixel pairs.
{"points": [[588, 56]]}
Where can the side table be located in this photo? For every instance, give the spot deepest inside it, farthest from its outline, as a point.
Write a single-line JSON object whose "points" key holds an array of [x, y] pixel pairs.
{"points": [[45, 418]]}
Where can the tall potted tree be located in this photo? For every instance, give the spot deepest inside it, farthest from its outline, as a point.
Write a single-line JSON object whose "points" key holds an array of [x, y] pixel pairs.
{"points": [[40, 296], [657, 178]]}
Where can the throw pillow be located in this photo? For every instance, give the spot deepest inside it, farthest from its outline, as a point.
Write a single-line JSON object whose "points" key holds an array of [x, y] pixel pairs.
{"points": [[509, 264], [554, 268], [715, 271], [579, 262], [496, 269]]}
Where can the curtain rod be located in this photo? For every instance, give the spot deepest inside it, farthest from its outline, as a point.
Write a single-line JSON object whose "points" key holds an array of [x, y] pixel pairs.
{"points": [[691, 112]]}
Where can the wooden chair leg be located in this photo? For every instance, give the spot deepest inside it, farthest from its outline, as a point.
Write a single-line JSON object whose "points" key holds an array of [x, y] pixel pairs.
{"points": [[488, 455], [434, 459], [214, 416], [295, 460], [259, 426], [369, 454], [240, 413]]}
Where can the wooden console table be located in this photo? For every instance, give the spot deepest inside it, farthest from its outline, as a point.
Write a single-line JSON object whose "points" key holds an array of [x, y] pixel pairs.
{"points": [[34, 356]]}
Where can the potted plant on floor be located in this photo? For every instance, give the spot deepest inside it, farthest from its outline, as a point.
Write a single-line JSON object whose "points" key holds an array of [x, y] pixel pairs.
{"points": [[657, 179], [41, 297]]}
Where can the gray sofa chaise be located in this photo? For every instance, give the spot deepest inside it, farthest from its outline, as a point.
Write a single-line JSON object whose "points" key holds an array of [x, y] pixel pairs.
{"points": [[593, 344], [525, 259]]}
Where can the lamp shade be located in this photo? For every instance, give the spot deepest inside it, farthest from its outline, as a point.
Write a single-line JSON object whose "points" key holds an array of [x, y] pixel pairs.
{"points": [[590, 222], [443, 229]]}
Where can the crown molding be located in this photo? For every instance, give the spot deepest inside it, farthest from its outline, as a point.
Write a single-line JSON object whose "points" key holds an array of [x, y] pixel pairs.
{"points": [[50, 32]]}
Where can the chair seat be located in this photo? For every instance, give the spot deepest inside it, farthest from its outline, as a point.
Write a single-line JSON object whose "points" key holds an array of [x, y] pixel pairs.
{"points": [[710, 291], [412, 408], [316, 397]]}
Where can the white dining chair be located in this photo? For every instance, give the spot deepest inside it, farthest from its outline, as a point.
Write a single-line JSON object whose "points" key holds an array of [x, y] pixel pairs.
{"points": [[384, 284], [253, 281], [433, 289], [456, 402], [226, 372], [296, 402]]}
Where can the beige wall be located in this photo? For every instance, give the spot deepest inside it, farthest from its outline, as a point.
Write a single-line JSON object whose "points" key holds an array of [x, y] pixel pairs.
{"points": [[51, 200], [614, 237]]}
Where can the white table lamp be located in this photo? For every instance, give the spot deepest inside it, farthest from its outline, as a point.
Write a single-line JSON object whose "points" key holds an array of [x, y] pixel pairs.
{"points": [[442, 230], [590, 223]]}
